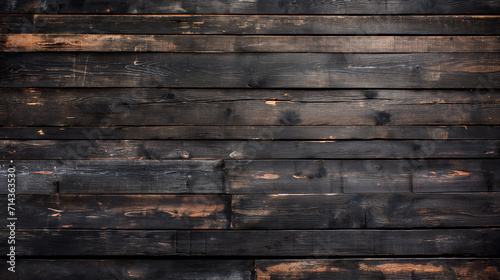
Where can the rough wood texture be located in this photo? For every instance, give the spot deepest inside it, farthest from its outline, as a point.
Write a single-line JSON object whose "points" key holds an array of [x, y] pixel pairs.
{"points": [[251, 25], [386, 269], [136, 107], [365, 211], [117, 176], [253, 7], [106, 269], [360, 176], [253, 133], [121, 211], [227, 43], [259, 243], [199, 149], [262, 70]]}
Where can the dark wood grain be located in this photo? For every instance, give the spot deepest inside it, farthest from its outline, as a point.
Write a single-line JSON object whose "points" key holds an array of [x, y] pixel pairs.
{"points": [[365, 211], [260, 243], [200, 149], [251, 24], [254, 7], [121, 211], [137, 107], [360, 176], [106, 269], [253, 132], [443, 268], [228, 43], [247, 70], [117, 176]]}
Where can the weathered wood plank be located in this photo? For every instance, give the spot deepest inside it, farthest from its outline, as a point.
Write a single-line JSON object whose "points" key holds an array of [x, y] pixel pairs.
{"points": [[200, 149], [253, 132], [251, 24], [117, 176], [121, 211], [253, 7], [249, 70], [360, 176], [389, 269], [365, 211], [228, 43], [132, 269], [114, 107], [259, 243]]}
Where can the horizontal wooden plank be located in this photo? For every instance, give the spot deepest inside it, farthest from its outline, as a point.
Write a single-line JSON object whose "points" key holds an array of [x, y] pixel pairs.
{"points": [[228, 43], [365, 211], [251, 24], [132, 269], [390, 269], [117, 176], [259, 243], [360, 176], [253, 132], [249, 70], [254, 7], [115, 107], [121, 211], [214, 149]]}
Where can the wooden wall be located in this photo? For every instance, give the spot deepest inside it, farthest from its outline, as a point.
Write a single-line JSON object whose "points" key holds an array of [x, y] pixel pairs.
{"points": [[238, 139]]}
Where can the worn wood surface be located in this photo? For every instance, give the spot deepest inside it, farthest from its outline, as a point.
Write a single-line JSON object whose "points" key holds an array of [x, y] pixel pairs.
{"points": [[106, 269], [365, 211], [253, 7], [248, 70], [360, 176], [207, 149], [251, 24], [108, 132], [135, 107], [443, 268], [117, 176], [227, 43], [121, 211], [260, 243]]}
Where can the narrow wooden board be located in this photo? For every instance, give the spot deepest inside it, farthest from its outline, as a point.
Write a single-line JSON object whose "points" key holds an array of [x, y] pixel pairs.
{"points": [[390, 269], [158, 107], [117, 176], [253, 133], [121, 211], [253, 7], [365, 211], [360, 176], [259, 243], [237, 44], [251, 24], [200, 149], [250, 70], [132, 269]]}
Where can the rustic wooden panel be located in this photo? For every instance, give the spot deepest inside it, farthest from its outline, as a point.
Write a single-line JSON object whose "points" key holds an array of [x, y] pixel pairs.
{"points": [[365, 211], [251, 24], [360, 176], [228, 43], [390, 269], [260, 243], [114, 107], [118, 176], [253, 132], [200, 149], [254, 7], [248, 70], [121, 211], [132, 269]]}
